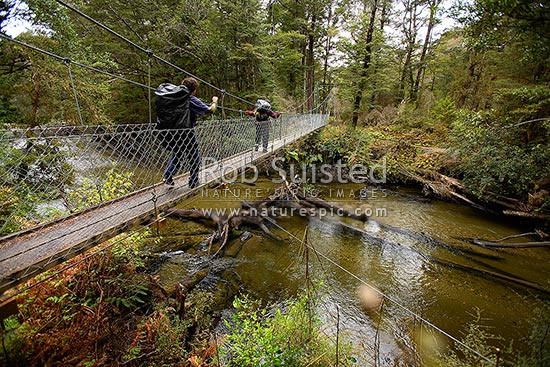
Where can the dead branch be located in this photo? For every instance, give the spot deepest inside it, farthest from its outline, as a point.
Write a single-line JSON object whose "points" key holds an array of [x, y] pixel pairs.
{"points": [[516, 236], [511, 245], [470, 269], [446, 187], [523, 214], [260, 214]]}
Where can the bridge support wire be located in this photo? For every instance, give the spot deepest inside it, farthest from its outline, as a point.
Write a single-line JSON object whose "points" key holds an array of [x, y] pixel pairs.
{"points": [[68, 62]]}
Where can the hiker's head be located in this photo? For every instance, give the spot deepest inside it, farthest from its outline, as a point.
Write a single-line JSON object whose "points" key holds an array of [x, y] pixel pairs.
{"points": [[191, 83]]}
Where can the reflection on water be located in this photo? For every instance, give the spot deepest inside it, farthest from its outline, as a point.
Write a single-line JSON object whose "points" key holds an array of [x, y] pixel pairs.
{"points": [[413, 254]]}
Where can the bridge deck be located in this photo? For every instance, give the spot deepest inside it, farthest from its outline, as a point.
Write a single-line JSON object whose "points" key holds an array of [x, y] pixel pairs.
{"points": [[32, 252]]}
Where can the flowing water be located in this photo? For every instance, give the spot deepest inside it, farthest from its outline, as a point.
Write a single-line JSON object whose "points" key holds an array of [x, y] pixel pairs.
{"points": [[412, 250]]}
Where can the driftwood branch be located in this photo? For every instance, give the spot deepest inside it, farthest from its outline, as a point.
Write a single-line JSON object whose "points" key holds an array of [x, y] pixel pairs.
{"points": [[501, 244], [484, 272], [261, 214], [516, 236]]}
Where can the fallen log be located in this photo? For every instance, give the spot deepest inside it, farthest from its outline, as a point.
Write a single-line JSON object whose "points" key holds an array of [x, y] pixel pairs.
{"points": [[531, 215], [260, 214], [540, 233], [511, 245], [499, 243], [518, 281], [224, 224]]}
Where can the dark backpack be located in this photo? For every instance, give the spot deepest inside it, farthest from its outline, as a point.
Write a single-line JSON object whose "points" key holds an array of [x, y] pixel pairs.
{"points": [[262, 115], [172, 103]]}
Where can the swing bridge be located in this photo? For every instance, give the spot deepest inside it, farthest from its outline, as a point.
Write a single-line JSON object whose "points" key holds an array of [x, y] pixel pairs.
{"points": [[67, 188], [85, 184]]}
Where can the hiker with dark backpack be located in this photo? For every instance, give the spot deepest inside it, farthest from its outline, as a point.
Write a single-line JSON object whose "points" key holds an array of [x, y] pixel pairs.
{"points": [[177, 111], [262, 112]]}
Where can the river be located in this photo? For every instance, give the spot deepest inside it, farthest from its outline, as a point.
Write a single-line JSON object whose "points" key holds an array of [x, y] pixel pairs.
{"points": [[412, 250]]}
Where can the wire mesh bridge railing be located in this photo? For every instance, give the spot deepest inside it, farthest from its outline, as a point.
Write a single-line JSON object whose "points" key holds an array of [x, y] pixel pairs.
{"points": [[64, 189]]}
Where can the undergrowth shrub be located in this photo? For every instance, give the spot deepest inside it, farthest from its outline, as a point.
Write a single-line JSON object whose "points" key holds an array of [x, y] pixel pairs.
{"points": [[494, 159], [443, 113], [284, 336], [478, 337], [86, 313]]}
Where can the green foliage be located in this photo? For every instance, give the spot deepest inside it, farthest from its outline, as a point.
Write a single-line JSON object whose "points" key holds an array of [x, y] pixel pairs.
{"points": [[40, 165], [126, 253], [538, 338], [131, 294], [283, 337], [410, 117], [202, 305], [443, 112], [169, 335], [13, 211], [36, 172], [302, 158], [8, 112], [12, 338], [526, 110], [479, 338], [525, 102], [127, 248], [350, 146], [492, 158], [113, 184], [520, 26]]}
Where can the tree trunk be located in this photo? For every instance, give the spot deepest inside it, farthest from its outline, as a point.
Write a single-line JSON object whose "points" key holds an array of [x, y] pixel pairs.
{"points": [[410, 30], [434, 4], [383, 20], [310, 65], [366, 64]]}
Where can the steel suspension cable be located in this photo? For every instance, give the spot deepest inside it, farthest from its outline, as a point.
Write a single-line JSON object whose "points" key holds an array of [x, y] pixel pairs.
{"points": [[91, 68], [68, 6], [148, 51], [62, 58]]}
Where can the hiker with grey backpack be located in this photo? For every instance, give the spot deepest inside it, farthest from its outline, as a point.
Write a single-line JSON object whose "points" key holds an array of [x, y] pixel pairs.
{"points": [[262, 112]]}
